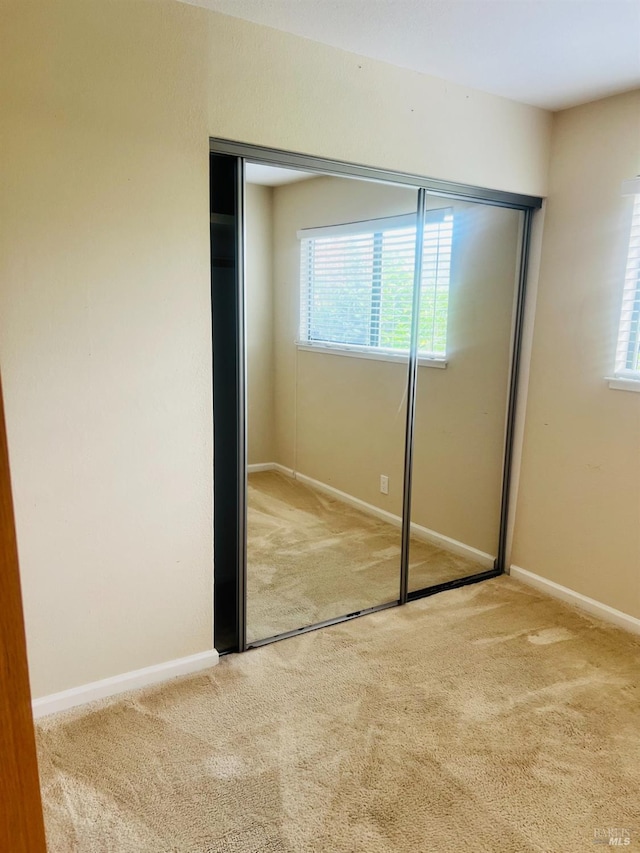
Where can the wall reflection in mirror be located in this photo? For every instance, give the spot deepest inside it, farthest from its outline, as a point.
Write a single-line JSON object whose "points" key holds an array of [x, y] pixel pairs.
{"points": [[469, 284], [329, 285]]}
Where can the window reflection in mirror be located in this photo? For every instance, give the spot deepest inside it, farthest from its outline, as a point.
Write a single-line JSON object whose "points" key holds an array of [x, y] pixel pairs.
{"points": [[329, 283], [329, 278]]}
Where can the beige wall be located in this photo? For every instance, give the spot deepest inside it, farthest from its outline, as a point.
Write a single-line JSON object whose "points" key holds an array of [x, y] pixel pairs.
{"points": [[341, 420], [104, 285], [272, 88], [308, 204], [578, 510], [105, 333], [259, 324]]}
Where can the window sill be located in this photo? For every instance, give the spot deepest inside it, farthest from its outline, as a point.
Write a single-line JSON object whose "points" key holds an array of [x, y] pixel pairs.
{"points": [[618, 384], [373, 355]]}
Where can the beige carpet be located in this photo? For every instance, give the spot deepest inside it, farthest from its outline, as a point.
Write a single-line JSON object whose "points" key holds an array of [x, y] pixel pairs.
{"points": [[488, 718], [311, 557]]}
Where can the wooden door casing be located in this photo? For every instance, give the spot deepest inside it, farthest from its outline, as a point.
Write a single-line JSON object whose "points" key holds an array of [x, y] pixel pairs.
{"points": [[21, 821]]}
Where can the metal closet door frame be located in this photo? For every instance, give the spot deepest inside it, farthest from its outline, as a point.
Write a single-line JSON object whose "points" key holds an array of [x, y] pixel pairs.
{"points": [[412, 384], [443, 189], [243, 480]]}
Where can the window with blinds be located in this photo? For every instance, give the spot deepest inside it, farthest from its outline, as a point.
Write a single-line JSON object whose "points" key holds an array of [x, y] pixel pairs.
{"points": [[628, 350], [356, 283]]}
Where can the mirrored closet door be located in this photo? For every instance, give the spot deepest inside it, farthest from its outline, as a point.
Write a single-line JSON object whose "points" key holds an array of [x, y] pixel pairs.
{"points": [[329, 285], [469, 285], [366, 331]]}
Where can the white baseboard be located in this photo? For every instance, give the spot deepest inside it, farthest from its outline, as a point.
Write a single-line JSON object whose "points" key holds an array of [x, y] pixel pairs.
{"points": [[260, 466], [270, 466], [122, 683], [570, 596], [419, 532]]}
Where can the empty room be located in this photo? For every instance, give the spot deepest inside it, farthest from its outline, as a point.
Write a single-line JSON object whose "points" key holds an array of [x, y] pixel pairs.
{"points": [[320, 426]]}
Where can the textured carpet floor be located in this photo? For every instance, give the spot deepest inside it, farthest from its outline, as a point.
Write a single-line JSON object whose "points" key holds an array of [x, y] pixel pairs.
{"points": [[488, 718], [311, 557]]}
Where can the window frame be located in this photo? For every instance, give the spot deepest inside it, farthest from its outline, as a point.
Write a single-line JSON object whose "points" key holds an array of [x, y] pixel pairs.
{"points": [[626, 376], [377, 228]]}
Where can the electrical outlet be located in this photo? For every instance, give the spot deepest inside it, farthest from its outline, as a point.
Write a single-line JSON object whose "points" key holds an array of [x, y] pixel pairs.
{"points": [[384, 484]]}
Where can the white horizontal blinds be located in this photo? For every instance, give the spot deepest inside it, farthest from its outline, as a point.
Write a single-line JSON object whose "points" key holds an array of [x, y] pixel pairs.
{"points": [[628, 351], [338, 282], [357, 282], [436, 275]]}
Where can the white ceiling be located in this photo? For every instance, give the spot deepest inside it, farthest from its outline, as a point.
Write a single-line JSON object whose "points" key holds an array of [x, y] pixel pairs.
{"points": [[550, 53], [274, 176]]}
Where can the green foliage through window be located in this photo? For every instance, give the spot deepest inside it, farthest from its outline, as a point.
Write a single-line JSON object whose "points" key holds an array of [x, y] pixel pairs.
{"points": [[357, 288]]}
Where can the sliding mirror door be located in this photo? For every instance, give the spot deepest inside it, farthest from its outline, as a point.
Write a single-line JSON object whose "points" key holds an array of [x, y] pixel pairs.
{"points": [[369, 383], [329, 280], [469, 287]]}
